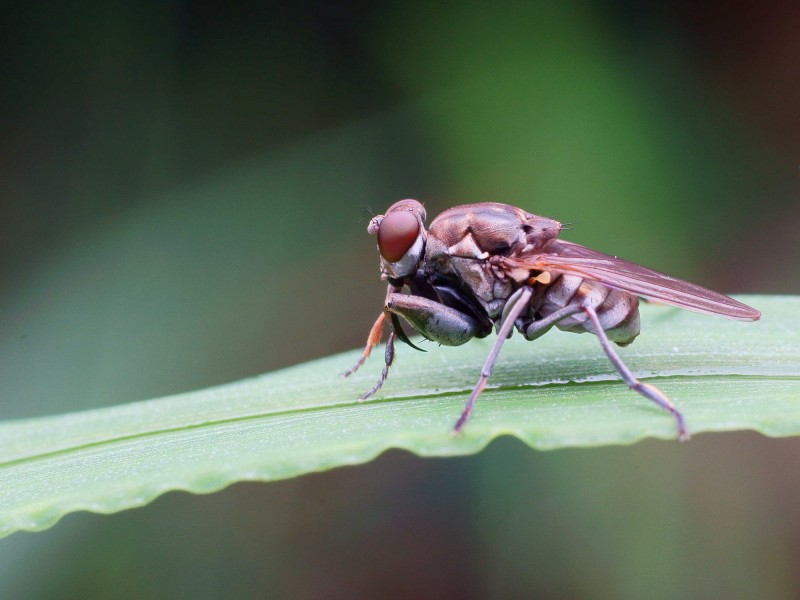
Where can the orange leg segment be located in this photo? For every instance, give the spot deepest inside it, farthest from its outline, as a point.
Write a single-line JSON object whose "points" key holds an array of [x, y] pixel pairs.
{"points": [[373, 339]]}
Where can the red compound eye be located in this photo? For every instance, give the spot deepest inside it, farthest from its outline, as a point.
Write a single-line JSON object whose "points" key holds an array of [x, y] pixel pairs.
{"points": [[397, 233]]}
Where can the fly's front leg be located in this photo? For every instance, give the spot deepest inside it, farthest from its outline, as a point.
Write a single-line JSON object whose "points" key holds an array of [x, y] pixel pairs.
{"points": [[374, 334], [436, 321], [645, 389], [385, 373], [372, 340], [432, 319]]}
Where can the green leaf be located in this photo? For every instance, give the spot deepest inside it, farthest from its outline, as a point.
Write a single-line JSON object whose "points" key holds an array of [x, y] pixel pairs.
{"points": [[559, 391]]}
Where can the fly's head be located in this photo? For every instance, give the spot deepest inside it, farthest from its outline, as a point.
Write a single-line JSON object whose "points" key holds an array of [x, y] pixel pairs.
{"points": [[401, 239]]}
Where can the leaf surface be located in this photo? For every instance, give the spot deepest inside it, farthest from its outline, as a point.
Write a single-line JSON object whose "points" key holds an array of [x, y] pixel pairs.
{"points": [[559, 391]]}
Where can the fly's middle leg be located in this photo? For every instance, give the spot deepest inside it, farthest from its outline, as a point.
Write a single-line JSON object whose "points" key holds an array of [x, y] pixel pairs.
{"points": [[518, 302]]}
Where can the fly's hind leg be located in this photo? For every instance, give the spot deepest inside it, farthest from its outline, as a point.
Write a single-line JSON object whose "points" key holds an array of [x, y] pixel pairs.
{"points": [[536, 329], [645, 389]]}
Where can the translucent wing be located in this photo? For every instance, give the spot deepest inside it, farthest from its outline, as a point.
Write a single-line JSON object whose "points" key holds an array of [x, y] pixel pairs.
{"points": [[574, 259]]}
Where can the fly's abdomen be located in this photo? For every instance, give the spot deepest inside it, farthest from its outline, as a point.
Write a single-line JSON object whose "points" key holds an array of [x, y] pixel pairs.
{"points": [[618, 311]]}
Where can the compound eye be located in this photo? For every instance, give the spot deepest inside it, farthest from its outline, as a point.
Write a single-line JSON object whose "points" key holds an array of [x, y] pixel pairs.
{"points": [[397, 233]]}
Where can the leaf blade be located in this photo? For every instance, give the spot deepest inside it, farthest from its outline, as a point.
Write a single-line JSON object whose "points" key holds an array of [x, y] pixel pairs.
{"points": [[555, 393]]}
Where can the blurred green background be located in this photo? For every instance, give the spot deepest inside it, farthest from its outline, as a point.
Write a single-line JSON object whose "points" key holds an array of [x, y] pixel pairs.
{"points": [[184, 194]]}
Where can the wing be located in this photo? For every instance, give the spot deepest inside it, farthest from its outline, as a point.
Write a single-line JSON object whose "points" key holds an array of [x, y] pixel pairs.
{"points": [[574, 259]]}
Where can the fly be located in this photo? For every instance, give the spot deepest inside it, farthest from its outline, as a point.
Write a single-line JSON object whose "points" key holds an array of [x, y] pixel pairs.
{"points": [[491, 266]]}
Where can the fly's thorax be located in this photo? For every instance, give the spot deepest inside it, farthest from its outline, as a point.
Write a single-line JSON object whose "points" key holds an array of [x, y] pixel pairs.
{"points": [[476, 276], [465, 242], [492, 228]]}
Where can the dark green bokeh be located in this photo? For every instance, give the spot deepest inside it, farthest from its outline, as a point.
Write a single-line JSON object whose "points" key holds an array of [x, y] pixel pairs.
{"points": [[185, 191]]}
